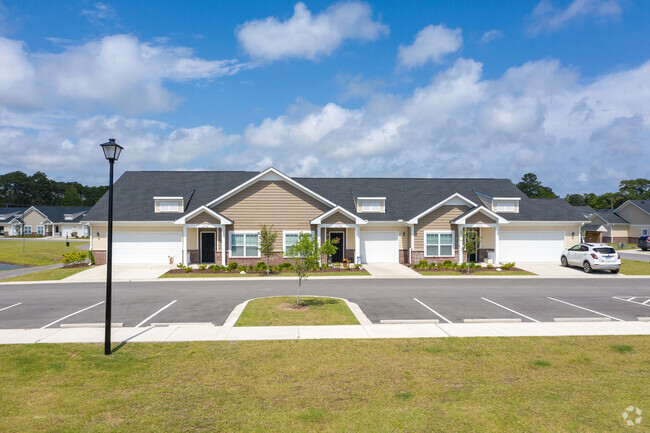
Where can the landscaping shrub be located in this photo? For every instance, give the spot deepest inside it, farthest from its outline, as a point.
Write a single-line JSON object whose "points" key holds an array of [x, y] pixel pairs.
{"points": [[440, 265], [74, 258], [325, 266], [489, 266], [285, 265], [508, 266], [91, 256], [250, 268], [448, 264], [232, 266], [423, 262], [180, 266], [241, 268], [203, 267], [188, 269], [261, 266], [215, 268]]}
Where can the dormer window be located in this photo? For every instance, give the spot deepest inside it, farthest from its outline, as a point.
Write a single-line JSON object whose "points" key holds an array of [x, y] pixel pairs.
{"points": [[67, 217], [506, 205], [371, 204], [168, 204]]}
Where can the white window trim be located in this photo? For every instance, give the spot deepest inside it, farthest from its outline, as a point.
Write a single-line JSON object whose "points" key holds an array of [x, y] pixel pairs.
{"points": [[230, 254], [645, 229], [178, 204], [441, 232], [25, 230], [40, 227], [291, 232]]}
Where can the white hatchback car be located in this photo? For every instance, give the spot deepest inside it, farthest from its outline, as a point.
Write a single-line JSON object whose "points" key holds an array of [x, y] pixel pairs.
{"points": [[592, 256]]}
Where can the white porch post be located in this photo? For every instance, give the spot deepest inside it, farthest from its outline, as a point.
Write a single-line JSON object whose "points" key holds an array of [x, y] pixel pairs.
{"points": [[318, 239], [460, 243], [185, 257], [412, 242], [357, 244], [496, 245], [223, 245]]}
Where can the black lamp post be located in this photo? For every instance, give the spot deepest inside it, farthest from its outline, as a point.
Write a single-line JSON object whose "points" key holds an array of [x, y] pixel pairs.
{"points": [[111, 152]]}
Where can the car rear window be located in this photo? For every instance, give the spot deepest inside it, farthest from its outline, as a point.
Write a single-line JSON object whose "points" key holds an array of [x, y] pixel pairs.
{"points": [[605, 250]]}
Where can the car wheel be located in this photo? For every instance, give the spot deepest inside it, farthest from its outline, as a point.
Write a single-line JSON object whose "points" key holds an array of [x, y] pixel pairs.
{"points": [[564, 261], [614, 271], [587, 267]]}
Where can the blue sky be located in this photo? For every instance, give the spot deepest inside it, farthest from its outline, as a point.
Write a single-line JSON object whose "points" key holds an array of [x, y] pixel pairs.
{"points": [[416, 89]]}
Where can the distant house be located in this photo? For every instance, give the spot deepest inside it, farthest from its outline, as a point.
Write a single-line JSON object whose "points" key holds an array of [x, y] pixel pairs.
{"points": [[623, 224], [215, 217], [63, 221]]}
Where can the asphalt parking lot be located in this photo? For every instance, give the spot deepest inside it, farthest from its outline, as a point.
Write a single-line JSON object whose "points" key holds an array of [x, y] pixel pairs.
{"points": [[448, 301]]}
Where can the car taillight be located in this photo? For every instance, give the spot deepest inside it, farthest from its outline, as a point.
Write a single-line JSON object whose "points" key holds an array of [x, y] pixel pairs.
{"points": [[594, 256], [618, 256]]}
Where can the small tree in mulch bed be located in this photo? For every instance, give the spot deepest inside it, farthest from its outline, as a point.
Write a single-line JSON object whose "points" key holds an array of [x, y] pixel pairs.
{"points": [[471, 243], [306, 253], [268, 237]]}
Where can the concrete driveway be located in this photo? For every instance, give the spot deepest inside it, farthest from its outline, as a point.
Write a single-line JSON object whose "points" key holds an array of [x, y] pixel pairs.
{"points": [[555, 270], [390, 270], [121, 273]]}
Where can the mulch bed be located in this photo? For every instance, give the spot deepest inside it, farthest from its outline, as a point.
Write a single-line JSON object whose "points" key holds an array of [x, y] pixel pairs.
{"points": [[471, 271], [260, 273]]}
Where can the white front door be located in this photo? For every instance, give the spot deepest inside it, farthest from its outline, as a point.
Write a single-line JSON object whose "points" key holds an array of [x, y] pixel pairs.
{"points": [[147, 247], [379, 247], [530, 246]]}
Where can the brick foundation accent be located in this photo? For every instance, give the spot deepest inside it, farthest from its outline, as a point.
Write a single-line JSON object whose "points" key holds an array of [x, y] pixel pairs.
{"points": [[403, 256], [194, 256], [419, 255], [100, 257], [617, 239], [483, 254], [349, 254]]}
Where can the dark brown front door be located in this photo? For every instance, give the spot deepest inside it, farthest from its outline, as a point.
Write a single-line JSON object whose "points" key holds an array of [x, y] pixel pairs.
{"points": [[337, 240], [208, 243]]}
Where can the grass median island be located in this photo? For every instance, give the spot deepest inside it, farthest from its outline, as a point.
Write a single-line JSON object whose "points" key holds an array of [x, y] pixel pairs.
{"points": [[50, 274], [633, 267], [550, 384], [283, 311], [37, 253]]}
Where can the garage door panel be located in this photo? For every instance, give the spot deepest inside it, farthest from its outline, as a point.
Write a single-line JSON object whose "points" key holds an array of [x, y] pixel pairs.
{"points": [[147, 247], [530, 246], [379, 246]]}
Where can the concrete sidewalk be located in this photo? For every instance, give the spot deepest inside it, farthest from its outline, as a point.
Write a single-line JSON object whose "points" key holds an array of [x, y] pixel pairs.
{"points": [[391, 270], [120, 273], [207, 332]]}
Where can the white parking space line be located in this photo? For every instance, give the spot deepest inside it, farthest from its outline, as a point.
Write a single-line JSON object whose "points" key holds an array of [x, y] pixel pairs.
{"points": [[586, 309], [6, 308], [70, 315], [432, 310], [154, 314], [630, 300], [511, 310]]}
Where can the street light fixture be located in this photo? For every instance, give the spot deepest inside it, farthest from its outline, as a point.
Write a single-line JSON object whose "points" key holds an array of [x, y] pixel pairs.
{"points": [[111, 152]]}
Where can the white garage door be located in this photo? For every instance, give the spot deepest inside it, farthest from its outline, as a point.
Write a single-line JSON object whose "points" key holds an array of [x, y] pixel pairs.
{"points": [[379, 247], [530, 246], [147, 247]]}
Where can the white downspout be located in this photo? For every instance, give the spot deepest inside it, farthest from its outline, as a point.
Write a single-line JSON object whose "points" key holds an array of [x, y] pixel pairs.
{"points": [[357, 244], [496, 245], [460, 244], [412, 242], [318, 239], [223, 245], [185, 253]]}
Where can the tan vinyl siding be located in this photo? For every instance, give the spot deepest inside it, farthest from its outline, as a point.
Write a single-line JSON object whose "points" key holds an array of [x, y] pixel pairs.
{"points": [[99, 243], [598, 220], [403, 238], [636, 231], [203, 218], [620, 230], [33, 219], [480, 218], [632, 214], [192, 236], [438, 220], [350, 236], [487, 238], [337, 218], [272, 203]]}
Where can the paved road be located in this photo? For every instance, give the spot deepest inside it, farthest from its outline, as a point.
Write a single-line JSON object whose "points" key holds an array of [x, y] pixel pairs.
{"points": [[643, 256], [47, 305], [24, 271]]}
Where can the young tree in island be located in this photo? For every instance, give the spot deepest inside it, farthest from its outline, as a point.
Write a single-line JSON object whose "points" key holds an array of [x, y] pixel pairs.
{"points": [[268, 237], [306, 253], [471, 243]]}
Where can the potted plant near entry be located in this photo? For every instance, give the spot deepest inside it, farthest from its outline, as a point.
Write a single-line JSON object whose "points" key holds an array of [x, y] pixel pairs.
{"points": [[345, 263]]}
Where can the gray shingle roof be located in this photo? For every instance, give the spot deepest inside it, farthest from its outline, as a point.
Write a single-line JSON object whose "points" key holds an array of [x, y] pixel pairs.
{"points": [[585, 210], [643, 204], [609, 216], [56, 214], [405, 197]]}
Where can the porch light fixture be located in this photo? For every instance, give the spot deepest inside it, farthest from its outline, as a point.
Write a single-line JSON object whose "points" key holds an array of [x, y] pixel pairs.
{"points": [[112, 151]]}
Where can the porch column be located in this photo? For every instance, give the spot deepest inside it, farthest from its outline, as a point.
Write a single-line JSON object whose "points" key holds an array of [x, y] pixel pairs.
{"points": [[412, 242], [223, 245], [460, 244], [318, 240], [185, 259], [357, 244], [496, 245]]}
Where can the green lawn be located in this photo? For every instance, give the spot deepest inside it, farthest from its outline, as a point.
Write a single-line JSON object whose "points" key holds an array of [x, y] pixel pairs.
{"points": [[632, 267], [541, 384], [37, 253], [256, 274], [628, 246], [51, 274], [276, 312]]}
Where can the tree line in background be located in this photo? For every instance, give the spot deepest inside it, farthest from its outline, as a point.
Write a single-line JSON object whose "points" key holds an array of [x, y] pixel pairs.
{"points": [[19, 189], [632, 189]]}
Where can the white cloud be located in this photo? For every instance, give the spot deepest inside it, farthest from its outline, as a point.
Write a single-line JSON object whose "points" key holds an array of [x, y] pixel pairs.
{"points": [[116, 72], [491, 35], [309, 36], [430, 45], [99, 12], [547, 17]]}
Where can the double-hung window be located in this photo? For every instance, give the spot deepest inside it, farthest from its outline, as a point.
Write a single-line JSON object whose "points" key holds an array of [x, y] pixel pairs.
{"points": [[644, 232], [244, 244], [40, 230], [290, 239], [28, 230], [439, 244]]}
